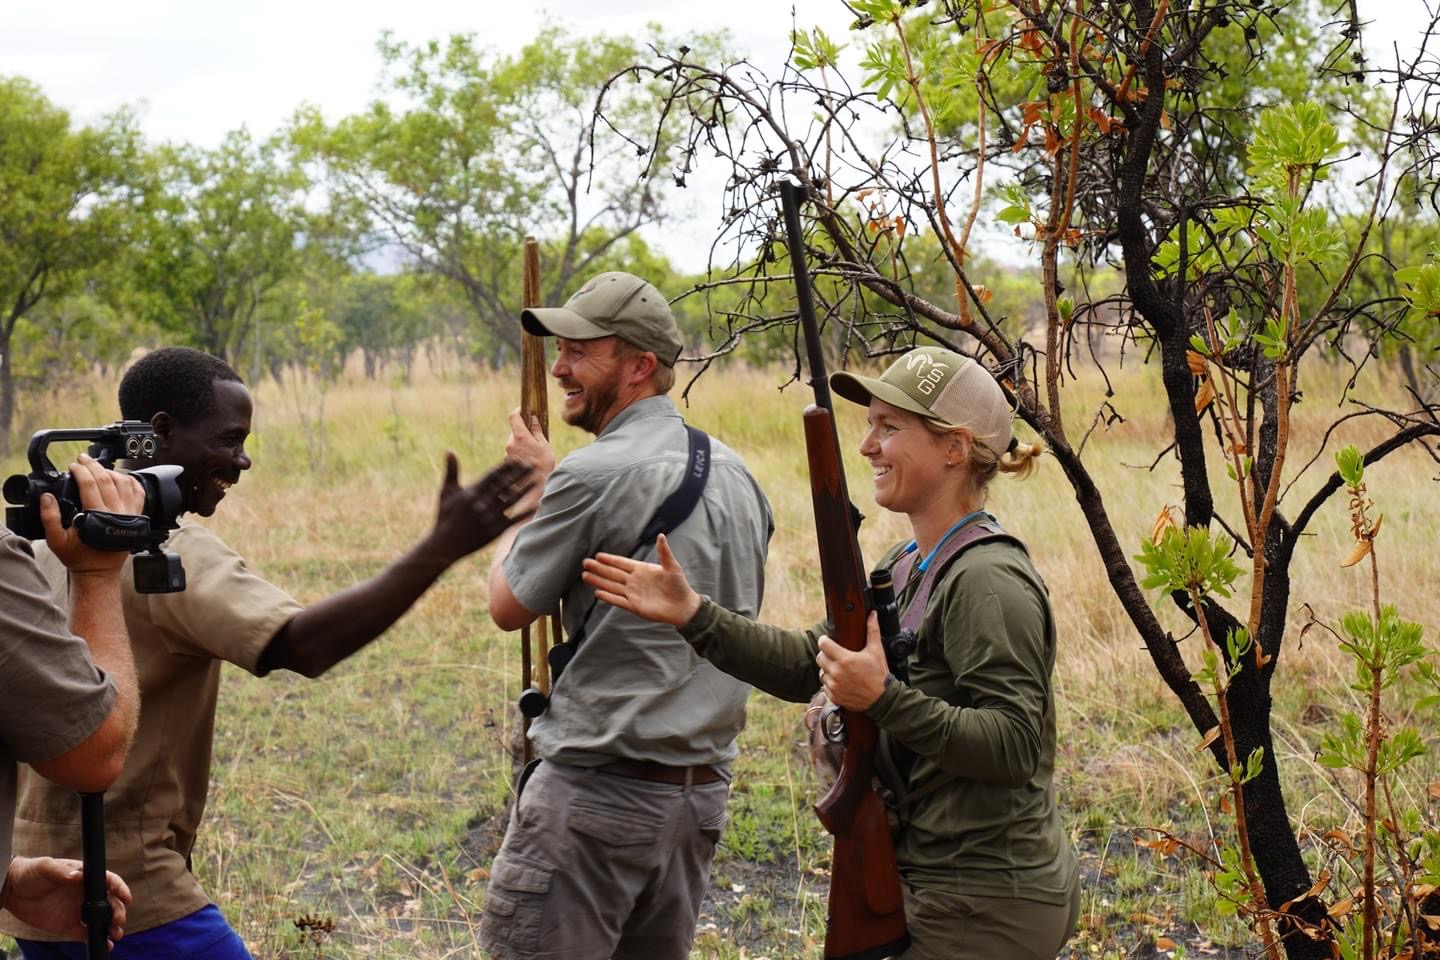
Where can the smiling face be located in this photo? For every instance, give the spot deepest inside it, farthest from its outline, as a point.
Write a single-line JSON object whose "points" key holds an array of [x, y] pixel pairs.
{"points": [[907, 460], [210, 449], [592, 377]]}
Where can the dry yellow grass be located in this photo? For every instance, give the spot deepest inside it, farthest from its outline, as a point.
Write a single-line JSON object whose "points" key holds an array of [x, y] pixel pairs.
{"points": [[364, 795]]}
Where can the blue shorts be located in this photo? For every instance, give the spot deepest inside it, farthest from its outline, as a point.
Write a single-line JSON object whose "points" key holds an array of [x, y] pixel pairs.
{"points": [[204, 935]]}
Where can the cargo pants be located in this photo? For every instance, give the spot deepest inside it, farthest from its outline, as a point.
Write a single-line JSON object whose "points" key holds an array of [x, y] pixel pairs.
{"points": [[596, 866]]}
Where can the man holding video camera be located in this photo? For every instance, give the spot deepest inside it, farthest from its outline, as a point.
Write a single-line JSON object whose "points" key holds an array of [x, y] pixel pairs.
{"points": [[66, 710], [200, 411]]}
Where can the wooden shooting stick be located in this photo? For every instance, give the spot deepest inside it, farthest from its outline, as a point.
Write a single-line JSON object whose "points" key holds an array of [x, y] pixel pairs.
{"points": [[533, 403]]}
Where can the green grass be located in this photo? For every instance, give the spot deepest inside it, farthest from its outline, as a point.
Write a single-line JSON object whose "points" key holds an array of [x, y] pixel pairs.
{"points": [[374, 797]]}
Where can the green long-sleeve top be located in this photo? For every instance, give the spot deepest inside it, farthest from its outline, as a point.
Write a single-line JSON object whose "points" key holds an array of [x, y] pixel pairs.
{"points": [[978, 713]]}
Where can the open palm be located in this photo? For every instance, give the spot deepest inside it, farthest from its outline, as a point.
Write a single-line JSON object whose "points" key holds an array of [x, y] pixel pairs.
{"points": [[655, 591]]}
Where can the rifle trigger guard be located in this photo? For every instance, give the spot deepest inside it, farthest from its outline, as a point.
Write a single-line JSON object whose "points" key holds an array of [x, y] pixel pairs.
{"points": [[832, 724]]}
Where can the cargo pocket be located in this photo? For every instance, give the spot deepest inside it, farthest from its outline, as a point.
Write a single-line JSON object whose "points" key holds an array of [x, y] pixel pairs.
{"points": [[514, 905]]}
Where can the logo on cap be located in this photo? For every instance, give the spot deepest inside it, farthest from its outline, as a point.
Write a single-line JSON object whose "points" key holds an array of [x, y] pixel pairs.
{"points": [[931, 373]]}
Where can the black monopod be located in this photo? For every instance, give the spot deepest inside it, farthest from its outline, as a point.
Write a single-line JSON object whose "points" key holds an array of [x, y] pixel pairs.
{"points": [[95, 909]]}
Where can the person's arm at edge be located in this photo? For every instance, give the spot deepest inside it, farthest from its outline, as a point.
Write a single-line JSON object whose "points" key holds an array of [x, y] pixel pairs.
{"points": [[322, 635], [96, 615]]}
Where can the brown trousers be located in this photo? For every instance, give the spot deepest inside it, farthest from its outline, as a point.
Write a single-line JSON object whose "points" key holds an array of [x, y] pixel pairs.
{"points": [[952, 926], [596, 866]]}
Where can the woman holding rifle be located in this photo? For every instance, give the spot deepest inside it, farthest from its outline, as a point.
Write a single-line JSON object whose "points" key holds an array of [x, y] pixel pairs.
{"points": [[968, 745]]}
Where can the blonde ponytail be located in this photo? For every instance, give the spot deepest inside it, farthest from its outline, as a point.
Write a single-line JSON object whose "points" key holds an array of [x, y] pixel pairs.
{"points": [[1022, 460]]}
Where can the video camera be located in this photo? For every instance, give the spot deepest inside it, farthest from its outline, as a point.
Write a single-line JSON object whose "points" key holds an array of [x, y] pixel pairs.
{"points": [[155, 570]]}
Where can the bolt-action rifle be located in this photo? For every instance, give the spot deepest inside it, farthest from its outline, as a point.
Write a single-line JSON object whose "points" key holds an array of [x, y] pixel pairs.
{"points": [[866, 909]]}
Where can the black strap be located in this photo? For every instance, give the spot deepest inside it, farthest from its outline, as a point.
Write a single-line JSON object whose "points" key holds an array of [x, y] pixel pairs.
{"points": [[672, 512], [680, 504]]}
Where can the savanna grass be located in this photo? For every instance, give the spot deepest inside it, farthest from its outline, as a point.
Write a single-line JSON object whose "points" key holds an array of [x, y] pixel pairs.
{"points": [[374, 797]]}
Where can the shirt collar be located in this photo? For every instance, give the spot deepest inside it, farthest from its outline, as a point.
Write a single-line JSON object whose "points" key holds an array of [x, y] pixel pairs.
{"points": [[644, 409]]}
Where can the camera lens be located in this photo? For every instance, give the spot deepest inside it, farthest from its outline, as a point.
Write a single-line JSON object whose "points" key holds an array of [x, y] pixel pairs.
{"points": [[147, 447]]}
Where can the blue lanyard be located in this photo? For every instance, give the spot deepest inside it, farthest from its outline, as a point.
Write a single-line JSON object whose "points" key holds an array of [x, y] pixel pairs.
{"points": [[925, 564]]}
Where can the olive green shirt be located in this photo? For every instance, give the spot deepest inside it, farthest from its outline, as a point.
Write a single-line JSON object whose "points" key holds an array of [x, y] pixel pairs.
{"points": [[978, 712]]}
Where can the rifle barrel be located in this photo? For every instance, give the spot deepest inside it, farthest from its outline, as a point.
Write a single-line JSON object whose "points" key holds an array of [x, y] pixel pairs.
{"points": [[791, 196]]}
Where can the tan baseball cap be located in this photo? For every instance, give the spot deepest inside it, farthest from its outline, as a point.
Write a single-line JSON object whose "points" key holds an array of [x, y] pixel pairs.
{"points": [[612, 304], [939, 385]]}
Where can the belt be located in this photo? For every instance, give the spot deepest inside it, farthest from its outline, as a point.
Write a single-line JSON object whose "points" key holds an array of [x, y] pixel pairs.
{"points": [[662, 772]]}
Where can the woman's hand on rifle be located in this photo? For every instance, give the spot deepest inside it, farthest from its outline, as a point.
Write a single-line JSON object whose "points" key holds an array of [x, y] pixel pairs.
{"points": [[657, 592], [46, 892], [854, 679]]}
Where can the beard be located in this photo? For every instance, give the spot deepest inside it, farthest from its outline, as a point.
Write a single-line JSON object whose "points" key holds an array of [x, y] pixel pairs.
{"points": [[595, 411]]}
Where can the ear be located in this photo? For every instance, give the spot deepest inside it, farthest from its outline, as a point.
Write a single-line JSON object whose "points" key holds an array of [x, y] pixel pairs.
{"points": [[959, 449], [163, 424], [644, 366]]}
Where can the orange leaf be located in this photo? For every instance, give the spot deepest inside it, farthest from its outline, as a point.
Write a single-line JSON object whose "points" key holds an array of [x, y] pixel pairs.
{"points": [[1146, 918], [1164, 846], [1227, 803], [1164, 943], [983, 293], [1163, 521], [1341, 908], [1341, 839], [1318, 887], [1196, 362], [899, 228], [1434, 790], [1052, 141], [1164, 120], [1209, 738], [1356, 554], [1205, 395], [1375, 527]]}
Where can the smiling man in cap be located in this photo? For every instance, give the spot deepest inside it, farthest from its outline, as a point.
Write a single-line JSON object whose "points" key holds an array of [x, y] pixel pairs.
{"points": [[609, 846]]}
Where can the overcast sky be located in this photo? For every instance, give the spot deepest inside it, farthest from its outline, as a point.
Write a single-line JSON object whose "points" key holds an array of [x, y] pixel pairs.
{"points": [[200, 69]]}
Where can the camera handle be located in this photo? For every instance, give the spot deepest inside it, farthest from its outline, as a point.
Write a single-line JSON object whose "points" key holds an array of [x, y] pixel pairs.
{"points": [[95, 911]]}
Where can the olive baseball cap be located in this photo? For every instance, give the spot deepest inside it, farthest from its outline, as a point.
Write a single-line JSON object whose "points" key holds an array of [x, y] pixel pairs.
{"points": [[612, 304], [939, 385]]}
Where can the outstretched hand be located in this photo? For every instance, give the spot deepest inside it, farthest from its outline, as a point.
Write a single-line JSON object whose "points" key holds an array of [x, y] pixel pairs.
{"points": [[656, 592], [470, 517], [46, 892]]}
